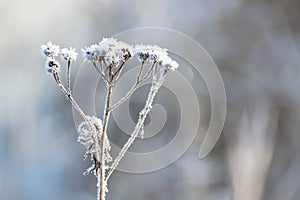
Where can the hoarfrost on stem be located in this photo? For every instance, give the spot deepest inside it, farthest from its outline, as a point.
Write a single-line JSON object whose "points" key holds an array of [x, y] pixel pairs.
{"points": [[86, 135]]}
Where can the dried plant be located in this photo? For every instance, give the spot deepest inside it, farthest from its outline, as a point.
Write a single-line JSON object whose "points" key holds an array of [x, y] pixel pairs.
{"points": [[108, 58]]}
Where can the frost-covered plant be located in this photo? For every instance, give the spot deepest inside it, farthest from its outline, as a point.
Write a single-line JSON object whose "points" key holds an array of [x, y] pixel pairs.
{"points": [[108, 58]]}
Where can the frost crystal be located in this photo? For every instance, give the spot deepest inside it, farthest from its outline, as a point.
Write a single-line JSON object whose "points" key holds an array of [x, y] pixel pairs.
{"points": [[84, 133], [168, 64], [152, 54], [52, 65], [109, 50], [142, 132], [85, 136], [50, 50], [69, 54], [149, 53], [91, 53]]}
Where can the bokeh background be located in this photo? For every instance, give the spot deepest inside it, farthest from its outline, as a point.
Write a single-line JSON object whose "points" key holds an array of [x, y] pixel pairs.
{"points": [[255, 45]]}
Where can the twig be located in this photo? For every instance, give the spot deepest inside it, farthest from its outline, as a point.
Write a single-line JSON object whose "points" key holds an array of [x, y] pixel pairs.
{"points": [[141, 71], [116, 75], [134, 87], [101, 72], [143, 114], [69, 76], [76, 106]]}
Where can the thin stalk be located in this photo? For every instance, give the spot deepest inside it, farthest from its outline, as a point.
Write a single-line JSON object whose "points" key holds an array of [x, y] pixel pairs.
{"points": [[69, 76], [141, 71], [134, 87], [102, 66], [106, 115], [118, 72], [101, 72], [149, 72], [76, 106], [142, 116]]}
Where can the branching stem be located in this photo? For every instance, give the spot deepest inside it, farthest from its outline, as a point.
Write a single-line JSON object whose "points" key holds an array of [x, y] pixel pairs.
{"points": [[140, 79], [142, 116], [101, 72]]}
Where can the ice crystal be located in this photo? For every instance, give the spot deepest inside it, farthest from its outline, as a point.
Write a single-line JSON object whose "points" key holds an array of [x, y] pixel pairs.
{"points": [[168, 64], [50, 50], [52, 65], [142, 132], [86, 136], [68, 54], [92, 53], [109, 50], [149, 53], [152, 54]]}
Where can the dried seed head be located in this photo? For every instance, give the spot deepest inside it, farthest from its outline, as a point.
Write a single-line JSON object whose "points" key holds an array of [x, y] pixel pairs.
{"points": [[109, 50], [52, 65], [68, 54], [168, 64], [50, 50], [149, 53]]}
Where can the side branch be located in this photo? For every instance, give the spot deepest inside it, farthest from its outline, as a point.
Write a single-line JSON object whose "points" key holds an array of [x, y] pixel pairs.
{"points": [[101, 72], [76, 106], [69, 76], [142, 116], [140, 79]]}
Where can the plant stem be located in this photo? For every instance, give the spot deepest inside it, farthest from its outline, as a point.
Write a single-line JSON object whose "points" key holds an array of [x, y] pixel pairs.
{"points": [[76, 106], [69, 76], [135, 86], [142, 116], [107, 111], [101, 72]]}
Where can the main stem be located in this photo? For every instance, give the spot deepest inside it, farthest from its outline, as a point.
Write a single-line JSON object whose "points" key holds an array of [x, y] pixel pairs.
{"points": [[107, 111]]}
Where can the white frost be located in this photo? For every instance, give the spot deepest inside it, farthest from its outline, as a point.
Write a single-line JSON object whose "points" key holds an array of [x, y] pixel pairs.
{"points": [[52, 65], [50, 49], [85, 137], [68, 54], [109, 50]]}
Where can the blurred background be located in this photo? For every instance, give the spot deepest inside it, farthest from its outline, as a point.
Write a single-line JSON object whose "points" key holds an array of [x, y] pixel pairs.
{"points": [[255, 45]]}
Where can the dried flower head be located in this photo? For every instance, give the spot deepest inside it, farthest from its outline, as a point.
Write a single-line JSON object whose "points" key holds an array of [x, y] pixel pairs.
{"points": [[149, 53], [168, 64], [52, 65], [91, 53], [152, 54], [68, 54], [50, 50], [109, 50]]}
